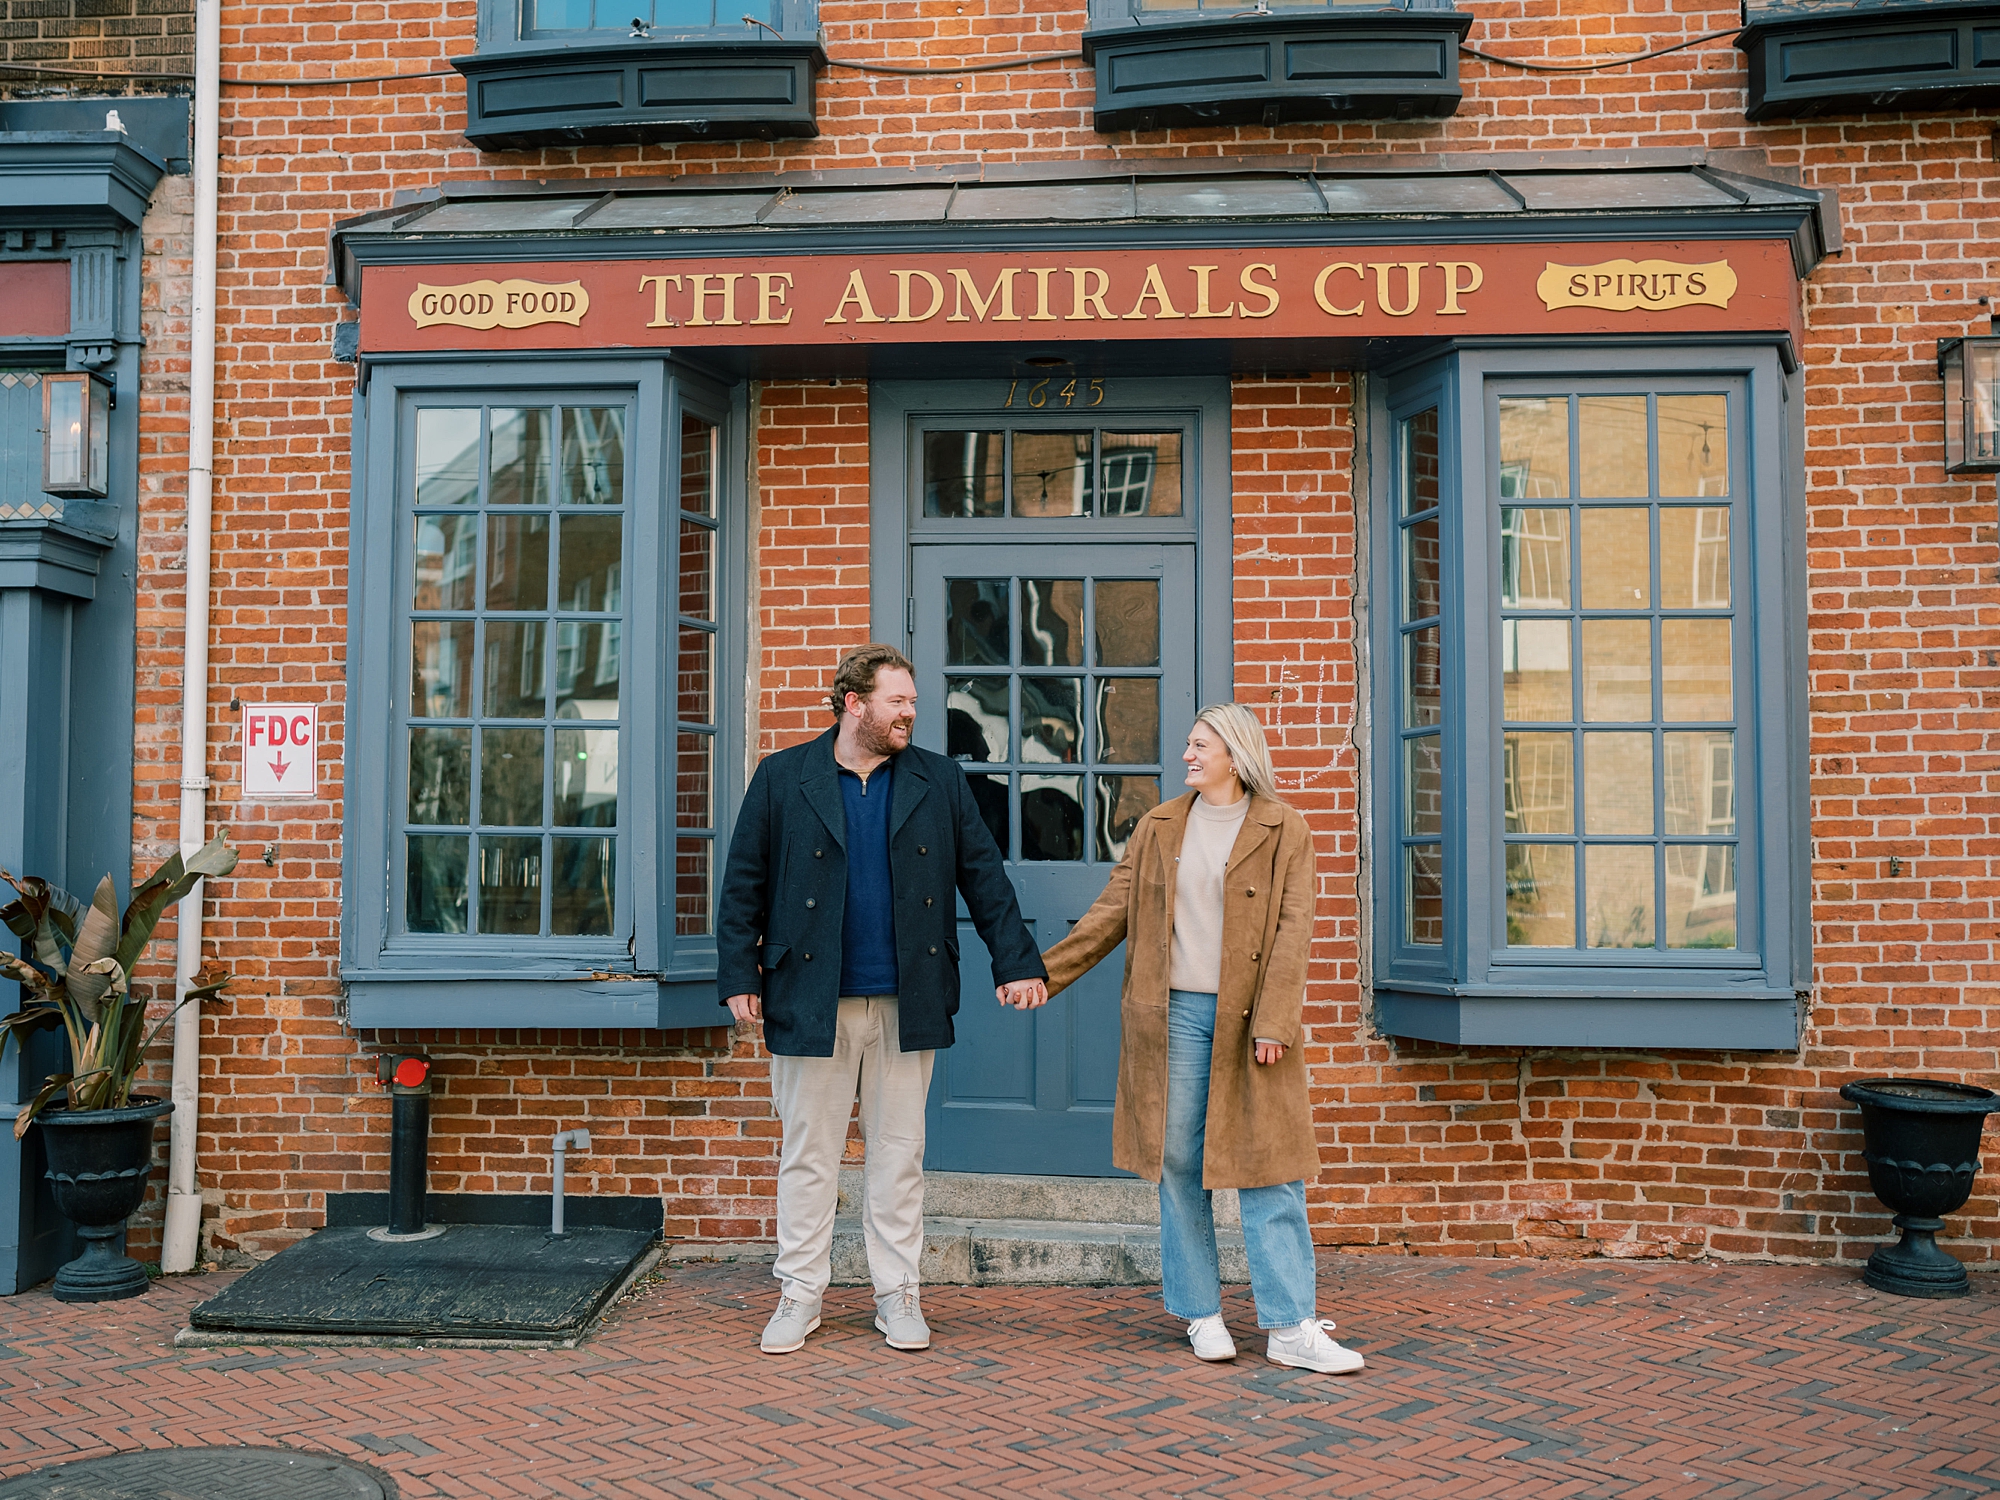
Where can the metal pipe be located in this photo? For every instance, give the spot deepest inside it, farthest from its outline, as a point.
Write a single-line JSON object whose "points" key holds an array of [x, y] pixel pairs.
{"points": [[409, 1163], [182, 1237], [580, 1139]]}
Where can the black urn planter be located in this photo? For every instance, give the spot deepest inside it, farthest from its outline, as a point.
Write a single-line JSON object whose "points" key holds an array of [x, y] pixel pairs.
{"points": [[99, 1163], [1921, 1142]]}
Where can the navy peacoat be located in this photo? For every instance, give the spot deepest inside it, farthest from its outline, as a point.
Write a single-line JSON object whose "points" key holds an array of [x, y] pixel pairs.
{"points": [[784, 894]]}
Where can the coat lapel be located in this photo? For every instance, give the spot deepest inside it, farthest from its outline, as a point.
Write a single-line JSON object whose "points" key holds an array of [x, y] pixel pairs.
{"points": [[821, 788], [908, 787], [1173, 830], [1261, 821]]}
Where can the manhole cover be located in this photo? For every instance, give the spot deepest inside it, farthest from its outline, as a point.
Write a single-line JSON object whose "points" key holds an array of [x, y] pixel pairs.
{"points": [[203, 1474]]}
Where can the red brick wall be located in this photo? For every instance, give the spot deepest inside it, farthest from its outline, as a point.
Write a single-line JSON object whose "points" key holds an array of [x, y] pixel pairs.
{"points": [[1426, 1149]]}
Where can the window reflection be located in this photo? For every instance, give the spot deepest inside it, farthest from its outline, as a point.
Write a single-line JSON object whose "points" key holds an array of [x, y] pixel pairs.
{"points": [[1052, 622], [1121, 802], [975, 622], [1052, 474], [1052, 818], [1142, 473], [962, 473], [1534, 448]]}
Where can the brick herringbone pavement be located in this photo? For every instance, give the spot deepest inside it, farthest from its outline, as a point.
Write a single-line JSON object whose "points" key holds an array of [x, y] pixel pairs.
{"points": [[1485, 1378]]}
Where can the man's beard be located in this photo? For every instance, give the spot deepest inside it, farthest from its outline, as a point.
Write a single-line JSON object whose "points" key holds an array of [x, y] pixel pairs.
{"points": [[877, 736]]}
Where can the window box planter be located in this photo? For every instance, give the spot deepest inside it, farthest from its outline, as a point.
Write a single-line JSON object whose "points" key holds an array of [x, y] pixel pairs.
{"points": [[1278, 68], [1824, 59]]}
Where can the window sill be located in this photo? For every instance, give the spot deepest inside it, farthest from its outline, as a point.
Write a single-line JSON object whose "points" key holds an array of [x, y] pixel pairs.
{"points": [[1278, 69], [1848, 60], [640, 92], [1716, 1019], [416, 1000]]}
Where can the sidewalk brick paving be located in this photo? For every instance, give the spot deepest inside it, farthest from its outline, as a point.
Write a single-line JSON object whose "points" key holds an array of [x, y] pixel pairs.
{"points": [[1501, 1378]]}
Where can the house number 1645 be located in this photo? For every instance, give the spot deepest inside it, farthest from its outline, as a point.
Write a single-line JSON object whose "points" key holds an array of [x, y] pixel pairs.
{"points": [[1039, 395]]}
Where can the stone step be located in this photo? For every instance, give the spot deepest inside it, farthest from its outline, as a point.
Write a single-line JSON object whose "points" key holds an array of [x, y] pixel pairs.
{"points": [[1001, 1230]]}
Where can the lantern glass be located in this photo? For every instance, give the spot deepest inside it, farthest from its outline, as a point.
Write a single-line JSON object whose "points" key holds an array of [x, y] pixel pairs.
{"points": [[1971, 372], [76, 435]]}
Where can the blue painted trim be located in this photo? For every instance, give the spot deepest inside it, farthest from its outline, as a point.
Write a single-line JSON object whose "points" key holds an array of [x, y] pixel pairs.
{"points": [[383, 1002], [1703, 1025], [1852, 59], [75, 177], [51, 556]]}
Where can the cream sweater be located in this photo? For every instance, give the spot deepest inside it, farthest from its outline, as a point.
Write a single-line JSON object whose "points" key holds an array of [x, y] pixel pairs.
{"points": [[1196, 961]]}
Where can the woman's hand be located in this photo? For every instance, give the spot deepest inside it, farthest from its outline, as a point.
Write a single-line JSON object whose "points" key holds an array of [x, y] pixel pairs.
{"points": [[1269, 1052]]}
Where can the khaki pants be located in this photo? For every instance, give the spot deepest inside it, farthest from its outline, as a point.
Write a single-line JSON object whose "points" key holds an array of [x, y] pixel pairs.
{"points": [[814, 1096]]}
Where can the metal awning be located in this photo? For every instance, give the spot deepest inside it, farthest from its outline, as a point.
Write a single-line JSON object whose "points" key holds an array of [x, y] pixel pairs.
{"points": [[1408, 198]]}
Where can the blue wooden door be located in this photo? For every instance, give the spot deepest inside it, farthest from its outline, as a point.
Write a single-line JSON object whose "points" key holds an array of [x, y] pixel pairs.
{"points": [[1062, 678]]}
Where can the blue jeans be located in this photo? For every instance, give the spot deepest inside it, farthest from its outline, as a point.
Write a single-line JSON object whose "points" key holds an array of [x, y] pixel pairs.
{"points": [[1282, 1274]]}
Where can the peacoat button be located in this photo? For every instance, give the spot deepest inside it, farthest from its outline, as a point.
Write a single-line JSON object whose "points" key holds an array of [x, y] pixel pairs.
{"points": [[1251, 892], [809, 959], [810, 903], [933, 951], [819, 854], [922, 850], [927, 901]]}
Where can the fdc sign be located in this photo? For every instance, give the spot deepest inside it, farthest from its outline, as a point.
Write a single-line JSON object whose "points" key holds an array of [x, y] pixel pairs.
{"points": [[280, 751]]}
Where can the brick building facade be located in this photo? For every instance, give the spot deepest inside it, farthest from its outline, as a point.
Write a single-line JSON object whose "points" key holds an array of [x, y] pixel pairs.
{"points": [[1547, 1146]]}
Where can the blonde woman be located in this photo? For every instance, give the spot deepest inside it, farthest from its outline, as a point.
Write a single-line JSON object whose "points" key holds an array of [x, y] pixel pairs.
{"points": [[1214, 903]]}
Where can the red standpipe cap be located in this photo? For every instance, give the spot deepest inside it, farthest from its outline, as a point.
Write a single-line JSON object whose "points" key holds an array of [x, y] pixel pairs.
{"points": [[411, 1071]]}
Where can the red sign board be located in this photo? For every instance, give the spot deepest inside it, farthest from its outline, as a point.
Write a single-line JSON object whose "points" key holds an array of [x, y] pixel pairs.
{"points": [[1677, 286]]}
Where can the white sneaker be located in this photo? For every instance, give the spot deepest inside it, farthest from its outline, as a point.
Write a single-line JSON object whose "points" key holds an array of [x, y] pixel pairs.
{"points": [[1210, 1337], [1307, 1347]]}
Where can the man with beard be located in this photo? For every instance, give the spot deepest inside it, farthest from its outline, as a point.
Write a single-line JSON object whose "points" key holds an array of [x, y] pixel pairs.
{"points": [[837, 927]]}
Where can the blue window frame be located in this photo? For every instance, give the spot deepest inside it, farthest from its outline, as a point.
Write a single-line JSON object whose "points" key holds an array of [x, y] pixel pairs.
{"points": [[505, 24], [1588, 743], [537, 754]]}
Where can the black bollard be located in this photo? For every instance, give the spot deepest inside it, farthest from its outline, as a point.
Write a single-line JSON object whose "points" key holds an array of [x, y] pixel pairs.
{"points": [[409, 1079]]}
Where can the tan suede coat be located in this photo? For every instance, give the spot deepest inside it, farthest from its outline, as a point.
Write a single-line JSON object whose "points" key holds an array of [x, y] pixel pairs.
{"points": [[1259, 1123]]}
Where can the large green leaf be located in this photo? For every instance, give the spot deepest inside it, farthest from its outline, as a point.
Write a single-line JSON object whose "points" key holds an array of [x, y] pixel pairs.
{"points": [[166, 885], [95, 940]]}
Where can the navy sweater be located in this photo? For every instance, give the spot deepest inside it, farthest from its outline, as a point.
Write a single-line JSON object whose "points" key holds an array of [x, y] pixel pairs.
{"points": [[868, 926]]}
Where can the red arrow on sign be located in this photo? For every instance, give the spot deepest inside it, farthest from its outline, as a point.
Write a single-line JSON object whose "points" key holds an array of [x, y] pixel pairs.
{"points": [[279, 767]]}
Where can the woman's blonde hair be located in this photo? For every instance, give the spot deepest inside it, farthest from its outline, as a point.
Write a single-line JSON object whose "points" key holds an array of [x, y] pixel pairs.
{"points": [[1242, 734]]}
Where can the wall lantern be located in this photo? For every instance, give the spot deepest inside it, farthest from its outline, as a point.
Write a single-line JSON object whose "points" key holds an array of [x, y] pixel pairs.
{"points": [[1970, 369], [76, 435]]}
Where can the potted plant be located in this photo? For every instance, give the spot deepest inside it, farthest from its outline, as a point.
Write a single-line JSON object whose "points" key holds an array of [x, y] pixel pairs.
{"points": [[75, 971], [1920, 1138]]}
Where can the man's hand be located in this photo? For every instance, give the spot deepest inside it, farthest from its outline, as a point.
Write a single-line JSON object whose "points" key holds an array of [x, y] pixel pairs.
{"points": [[1023, 994], [1269, 1052], [747, 1007]]}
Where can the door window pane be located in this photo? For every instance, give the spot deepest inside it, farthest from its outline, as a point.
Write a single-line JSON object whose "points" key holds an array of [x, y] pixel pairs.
{"points": [[510, 778], [1695, 672], [975, 622], [1051, 729], [1617, 557], [1051, 818], [963, 473], [1611, 447], [1694, 445], [517, 562], [1534, 448], [447, 561], [1538, 783], [975, 718], [1534, 558], [1128, 622], [989, 795], [1617, 670], [1694, 557], [593, 455], [1052, 474], [1052, 622], [1619, 895], [520, 458], [1541, 896], [1535, 672], [1121, 802], [1142, 473], [447, 455], [1618, 783], [1128, 720]]}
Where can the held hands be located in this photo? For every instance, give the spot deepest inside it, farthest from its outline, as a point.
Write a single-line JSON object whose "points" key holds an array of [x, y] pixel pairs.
{"points": [[1023, 994], [746, 1007]]}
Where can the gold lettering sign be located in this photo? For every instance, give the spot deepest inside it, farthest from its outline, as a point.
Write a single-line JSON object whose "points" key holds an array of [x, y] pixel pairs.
{"points": [[499, 304], [1636, 285]]}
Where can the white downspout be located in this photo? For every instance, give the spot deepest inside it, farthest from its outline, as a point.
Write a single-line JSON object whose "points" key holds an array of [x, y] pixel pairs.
{"points": [[183, 1231]]}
